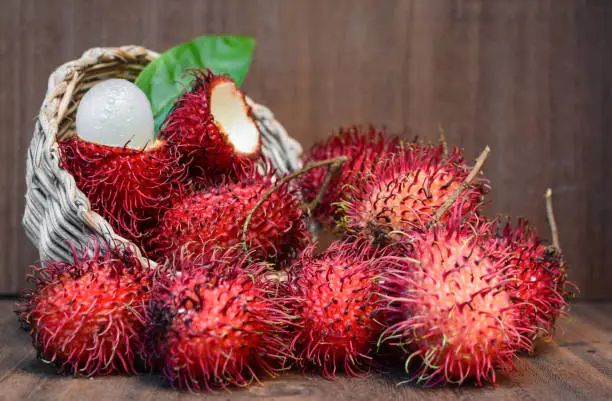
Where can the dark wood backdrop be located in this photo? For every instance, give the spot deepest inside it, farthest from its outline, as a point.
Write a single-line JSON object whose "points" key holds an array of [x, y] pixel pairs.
{"points": [[530, 78]]}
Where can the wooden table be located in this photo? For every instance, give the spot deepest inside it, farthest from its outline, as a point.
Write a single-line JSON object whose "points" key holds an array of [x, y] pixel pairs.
{"points": [[577, 367]]}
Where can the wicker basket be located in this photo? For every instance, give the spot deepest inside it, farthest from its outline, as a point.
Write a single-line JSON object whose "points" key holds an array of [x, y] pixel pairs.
{"points": [[57, 214]]}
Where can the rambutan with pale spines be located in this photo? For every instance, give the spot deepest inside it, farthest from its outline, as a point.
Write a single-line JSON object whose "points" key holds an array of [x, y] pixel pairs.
{"points": [[539, 276], [129, 187], [212, 127], [87, 317], [215, 217], [363, 147], [215, 322], [447, 307], [401, 194], [333, 297]]}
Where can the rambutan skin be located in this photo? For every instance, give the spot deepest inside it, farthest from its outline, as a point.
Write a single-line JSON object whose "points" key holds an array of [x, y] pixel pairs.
{"points": [[215, 218], [217, 324], [402, 193], [87, 318], [129, 187], [539, 277], [334, 296], [191, 128], [446, 305], [364, 149]]}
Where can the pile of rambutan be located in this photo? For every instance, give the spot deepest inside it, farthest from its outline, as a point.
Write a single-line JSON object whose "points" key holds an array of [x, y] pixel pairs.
{"points": [[417, 277]]}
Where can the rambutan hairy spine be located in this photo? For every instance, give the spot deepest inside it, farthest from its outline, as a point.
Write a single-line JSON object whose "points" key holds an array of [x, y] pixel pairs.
{"points": [[87, 317], [407, 191], [216, 324], [447, 306], [539, 276], [333, 297], [363, 149]]}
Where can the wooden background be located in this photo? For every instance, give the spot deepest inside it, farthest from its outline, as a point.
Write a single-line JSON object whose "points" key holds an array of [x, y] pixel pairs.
{"points": [[530, 78]]}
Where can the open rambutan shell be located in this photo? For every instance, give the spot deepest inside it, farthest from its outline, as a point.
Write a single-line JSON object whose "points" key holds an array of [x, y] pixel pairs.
{"points": [[128, 187], [211, 126]]}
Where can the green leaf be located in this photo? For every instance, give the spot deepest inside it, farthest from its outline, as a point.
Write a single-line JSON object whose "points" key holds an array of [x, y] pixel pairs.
{"points": [[164, 80]]}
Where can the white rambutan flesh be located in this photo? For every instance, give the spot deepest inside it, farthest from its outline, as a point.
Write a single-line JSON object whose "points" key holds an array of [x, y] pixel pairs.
{"points": [[231, 114], [117, 113]]}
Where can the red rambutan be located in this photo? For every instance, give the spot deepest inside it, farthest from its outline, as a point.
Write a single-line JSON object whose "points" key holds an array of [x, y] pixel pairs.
{"points": [[211, 126], [364, 149], [128, 187], [333, 296], [446, 305], [217, 323], [403, 193], [539, 279], [87, 317], [215, 218]]}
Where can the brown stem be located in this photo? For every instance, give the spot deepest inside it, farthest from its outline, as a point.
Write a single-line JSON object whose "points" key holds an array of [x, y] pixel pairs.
{"points": [[442, 140], [332, 169], [453, 198], [550, 214], [334, 164]]}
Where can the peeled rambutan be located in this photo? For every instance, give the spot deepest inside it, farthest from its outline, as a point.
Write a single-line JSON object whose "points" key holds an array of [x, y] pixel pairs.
{"points": [[538, 277], [403, 193], [446, 306], [128, 187], [216, 324], [333, 296], [211, 126], [87, 317], [364, 149], [215, 218]]}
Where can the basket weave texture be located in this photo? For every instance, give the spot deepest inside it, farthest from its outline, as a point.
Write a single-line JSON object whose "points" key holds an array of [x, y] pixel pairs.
{"points": [[57, 214]]}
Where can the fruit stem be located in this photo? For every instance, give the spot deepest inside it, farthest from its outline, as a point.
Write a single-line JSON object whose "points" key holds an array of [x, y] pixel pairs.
{"points": [[453, 198], [334, 164], [550, 215], [442, 140]]}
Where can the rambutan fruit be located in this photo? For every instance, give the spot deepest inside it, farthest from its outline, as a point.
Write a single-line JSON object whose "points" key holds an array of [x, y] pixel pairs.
{"points": [[446, 305], [128, 187], [538, 277], [403, 193], [216, 324], [212, 127], [87, 317], [333, 296], [364, 149], [215, 218]]}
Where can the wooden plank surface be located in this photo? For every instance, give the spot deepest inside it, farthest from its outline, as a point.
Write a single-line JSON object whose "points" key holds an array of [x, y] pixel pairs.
{"points": [[577, 366], [528, 77]]}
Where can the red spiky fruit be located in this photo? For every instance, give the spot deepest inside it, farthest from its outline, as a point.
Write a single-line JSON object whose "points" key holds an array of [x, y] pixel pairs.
{"points": [[215, 218], [216, 324], [128, 187], [87, 317], [212, 126], [364, 149], [333, 296], [402, 193], [446, 305], [539, 279]]}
